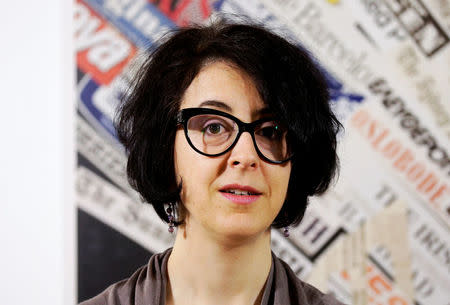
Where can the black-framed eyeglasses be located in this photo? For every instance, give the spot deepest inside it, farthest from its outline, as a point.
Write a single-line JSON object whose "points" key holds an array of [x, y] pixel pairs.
{"points": [[212, 133]]}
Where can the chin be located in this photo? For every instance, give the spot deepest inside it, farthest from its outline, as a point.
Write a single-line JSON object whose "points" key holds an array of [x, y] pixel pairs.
{"points": [[239, 230]]}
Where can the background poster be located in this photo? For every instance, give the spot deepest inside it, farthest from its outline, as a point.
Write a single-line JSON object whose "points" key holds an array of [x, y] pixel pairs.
{"points": [[387, 65]]}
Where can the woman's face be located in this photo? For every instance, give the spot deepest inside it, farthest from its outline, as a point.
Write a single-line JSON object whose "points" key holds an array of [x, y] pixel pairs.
{"points": [[208, 206]]}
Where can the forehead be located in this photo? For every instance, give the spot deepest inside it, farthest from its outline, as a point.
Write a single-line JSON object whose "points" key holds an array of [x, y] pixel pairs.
{"points": [[221, 81]]}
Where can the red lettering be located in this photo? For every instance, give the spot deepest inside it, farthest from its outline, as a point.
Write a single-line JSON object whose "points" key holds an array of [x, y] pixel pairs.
{"points": [[377, 284], [415, 172], [373, 128], [176, 14], [404, 160], [101, 51], [428, 183], [396, 300], [380, 138], [391, 149], [438, 194], [360, 118]]}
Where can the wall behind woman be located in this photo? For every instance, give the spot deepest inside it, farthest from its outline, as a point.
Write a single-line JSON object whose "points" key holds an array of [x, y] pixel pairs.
{"points": [[387, 68], [37, 153]]}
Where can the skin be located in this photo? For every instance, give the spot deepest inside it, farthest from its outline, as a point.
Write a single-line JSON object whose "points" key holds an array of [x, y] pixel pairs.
{"points": [[222, 240]]}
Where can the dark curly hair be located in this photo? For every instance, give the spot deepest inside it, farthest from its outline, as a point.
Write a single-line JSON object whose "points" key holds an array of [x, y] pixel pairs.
{"points": [[287, 79]]}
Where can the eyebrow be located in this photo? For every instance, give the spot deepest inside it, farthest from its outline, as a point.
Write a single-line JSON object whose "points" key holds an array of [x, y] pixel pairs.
{"points": [[226, 107], [217, 104]]}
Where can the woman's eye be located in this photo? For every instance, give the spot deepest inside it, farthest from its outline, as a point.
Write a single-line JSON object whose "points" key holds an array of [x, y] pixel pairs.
{"points": [[213, 128], [270, 132]]}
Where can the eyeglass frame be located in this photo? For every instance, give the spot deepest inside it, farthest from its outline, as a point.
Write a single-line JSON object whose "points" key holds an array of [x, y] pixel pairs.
{"points": [[185, 114]]}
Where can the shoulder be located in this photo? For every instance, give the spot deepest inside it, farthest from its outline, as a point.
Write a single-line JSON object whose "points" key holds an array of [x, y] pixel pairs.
{"points": [[297, 291], [142, 287], [118, 293]]}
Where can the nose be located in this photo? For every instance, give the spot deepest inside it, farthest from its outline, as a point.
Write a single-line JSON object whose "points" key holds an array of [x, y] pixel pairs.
{"points": [[244, 155]]}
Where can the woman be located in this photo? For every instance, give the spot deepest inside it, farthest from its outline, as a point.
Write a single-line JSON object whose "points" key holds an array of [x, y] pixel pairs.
{"points": [[228, 131]]}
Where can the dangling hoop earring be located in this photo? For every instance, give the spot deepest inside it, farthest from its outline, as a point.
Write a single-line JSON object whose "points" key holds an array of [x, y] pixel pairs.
{"points": [[170, 216], [286, 231], [286, 228]]}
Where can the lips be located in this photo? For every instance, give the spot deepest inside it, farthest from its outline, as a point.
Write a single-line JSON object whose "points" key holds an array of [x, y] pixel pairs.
{"points": [[240, 194], [238, 189]]}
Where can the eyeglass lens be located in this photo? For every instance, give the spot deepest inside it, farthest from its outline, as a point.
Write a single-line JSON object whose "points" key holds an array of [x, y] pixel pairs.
{"points": [[213, 134]]}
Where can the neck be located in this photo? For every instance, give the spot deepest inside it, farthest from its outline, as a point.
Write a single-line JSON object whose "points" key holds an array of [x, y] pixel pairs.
{"points": [[205, 270]]}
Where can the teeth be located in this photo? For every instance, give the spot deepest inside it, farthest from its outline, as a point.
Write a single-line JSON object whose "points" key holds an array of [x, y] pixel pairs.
{"points": [[238, 192]]}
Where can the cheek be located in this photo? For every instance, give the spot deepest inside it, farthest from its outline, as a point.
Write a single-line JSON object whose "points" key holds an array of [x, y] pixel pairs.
{"points": [[185, 160], [280, 181], [195, 170], [179, 153]]}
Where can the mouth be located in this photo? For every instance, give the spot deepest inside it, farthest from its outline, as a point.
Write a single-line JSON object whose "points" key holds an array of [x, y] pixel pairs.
{"points": [[237, 189], [240, 194]]}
